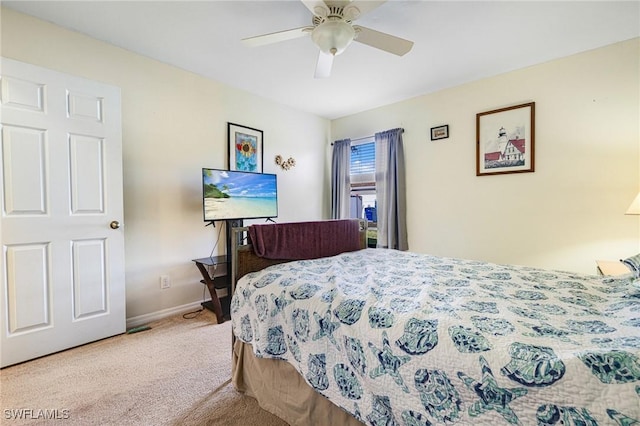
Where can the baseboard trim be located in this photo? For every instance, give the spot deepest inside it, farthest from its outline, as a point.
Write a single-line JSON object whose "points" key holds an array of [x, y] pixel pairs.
{"points": [[164, 313]]}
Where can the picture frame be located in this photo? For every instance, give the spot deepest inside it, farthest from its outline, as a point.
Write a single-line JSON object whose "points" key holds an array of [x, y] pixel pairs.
{"points": [[245, 148], [505, 140], [440, 132]]}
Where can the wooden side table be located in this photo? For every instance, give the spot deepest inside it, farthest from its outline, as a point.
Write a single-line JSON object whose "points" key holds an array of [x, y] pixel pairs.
{"points": [[612, 267], [213, 282]]}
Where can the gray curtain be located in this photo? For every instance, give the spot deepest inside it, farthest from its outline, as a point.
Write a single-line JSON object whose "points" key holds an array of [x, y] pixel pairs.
{"points": [[391, 190], [340, 179]]}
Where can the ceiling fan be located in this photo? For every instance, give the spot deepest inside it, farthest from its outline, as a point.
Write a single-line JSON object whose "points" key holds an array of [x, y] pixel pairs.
{"points": [[332, 30]]}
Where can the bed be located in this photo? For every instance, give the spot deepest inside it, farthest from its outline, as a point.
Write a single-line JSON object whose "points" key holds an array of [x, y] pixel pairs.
{"points": [[384, 337]]}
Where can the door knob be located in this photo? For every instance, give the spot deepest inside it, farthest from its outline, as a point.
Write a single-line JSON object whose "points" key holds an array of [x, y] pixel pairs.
{"points": [[114, 224]]}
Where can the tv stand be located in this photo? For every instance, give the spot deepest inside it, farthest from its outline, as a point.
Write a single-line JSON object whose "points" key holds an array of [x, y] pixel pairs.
{"points": [[221, 309], [216, 282]]}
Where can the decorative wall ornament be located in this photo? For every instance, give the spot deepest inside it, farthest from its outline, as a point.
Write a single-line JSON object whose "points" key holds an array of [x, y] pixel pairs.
{"points": [[285, 164]]}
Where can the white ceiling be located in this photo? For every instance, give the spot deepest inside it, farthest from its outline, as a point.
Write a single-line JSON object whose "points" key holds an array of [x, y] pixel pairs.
{"points": [[455, 42]]}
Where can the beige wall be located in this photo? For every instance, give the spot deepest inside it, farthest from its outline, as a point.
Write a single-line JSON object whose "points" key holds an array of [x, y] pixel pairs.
{"points": [[566, 214], [174, 123]]}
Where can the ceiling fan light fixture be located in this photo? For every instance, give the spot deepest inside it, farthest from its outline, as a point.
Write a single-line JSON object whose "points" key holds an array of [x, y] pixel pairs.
{"points": [[333, 36]]}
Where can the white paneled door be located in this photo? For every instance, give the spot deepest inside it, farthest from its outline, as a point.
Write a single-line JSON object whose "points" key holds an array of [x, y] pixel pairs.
{"points": [[62, 260]]}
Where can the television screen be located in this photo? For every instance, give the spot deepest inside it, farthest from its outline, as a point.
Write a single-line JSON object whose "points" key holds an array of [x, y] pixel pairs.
{"points": [[229, 194]]}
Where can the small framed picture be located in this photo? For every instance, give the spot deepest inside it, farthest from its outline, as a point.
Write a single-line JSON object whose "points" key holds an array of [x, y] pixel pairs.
{"points": [[245, 148], [505, 140], [440, 132]]}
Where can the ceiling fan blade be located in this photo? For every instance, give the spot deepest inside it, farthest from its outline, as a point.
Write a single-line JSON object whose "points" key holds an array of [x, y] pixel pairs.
{"points": [[387, 42], [363, 6], [317, 7], [323, 66], [261, 40]]}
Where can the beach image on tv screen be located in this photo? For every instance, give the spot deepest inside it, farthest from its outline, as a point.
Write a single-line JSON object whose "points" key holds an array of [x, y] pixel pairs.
{"points": [[236, 195]]}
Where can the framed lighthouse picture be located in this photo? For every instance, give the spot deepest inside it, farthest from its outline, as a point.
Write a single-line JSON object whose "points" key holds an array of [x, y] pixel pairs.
{"points": [[505, 140]]}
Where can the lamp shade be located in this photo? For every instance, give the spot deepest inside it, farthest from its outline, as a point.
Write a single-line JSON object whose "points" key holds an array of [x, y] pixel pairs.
{"points": [[333, 36], [634, 208]]}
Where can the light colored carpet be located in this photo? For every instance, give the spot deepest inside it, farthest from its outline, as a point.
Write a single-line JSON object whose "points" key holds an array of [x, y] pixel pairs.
{"points": [[177, 373]]}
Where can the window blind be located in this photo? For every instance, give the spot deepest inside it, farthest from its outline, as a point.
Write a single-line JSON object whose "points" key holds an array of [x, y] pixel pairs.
{"points": [[363, 158]]}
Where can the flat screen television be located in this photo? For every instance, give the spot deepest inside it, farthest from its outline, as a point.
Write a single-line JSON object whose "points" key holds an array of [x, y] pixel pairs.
{"points": [[232, 195]]}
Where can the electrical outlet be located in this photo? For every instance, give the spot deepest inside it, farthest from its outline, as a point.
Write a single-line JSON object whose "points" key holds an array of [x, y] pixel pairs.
{"points": [[165, 281]]}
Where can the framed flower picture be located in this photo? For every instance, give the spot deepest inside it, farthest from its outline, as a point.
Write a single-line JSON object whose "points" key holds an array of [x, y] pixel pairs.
{"points": [[245, 148]]}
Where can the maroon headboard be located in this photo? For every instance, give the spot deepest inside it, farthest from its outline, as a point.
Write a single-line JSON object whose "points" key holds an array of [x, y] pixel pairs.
{"points": [[244, 259]]}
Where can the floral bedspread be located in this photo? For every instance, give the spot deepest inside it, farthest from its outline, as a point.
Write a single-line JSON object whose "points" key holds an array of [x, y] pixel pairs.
{"points": [[399, 338]]}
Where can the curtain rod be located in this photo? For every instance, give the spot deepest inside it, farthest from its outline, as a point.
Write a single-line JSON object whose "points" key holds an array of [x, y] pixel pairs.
{"points": [[365, 137], [362, 138]]}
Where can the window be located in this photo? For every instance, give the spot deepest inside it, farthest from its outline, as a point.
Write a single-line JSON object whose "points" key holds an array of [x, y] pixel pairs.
{"points": [[363, 180], [363, 158]]}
